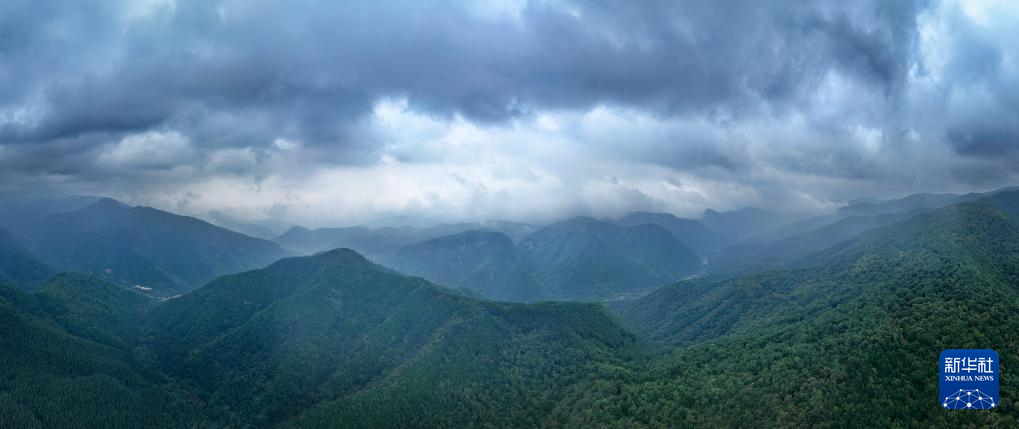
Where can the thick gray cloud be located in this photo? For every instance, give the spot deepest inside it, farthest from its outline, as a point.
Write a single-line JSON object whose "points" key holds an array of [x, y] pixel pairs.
{"points": [[463, 108]]}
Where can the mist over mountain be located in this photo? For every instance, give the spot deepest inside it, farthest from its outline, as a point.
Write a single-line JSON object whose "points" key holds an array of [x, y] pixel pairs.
{"points": [[20, 213], [484, 261], [261, 228], [335, 339], [691, 232], [509, 214], [153, 250], [586, 258], [352, 343], [19, 267], [379, 243]]}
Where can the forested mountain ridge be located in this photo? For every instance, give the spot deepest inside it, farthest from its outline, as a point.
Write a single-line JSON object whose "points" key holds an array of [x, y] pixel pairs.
{"points": [[957, 236], [19, 267], [733, 226], [163, 252], [380, 243], [97, 310], [17, 215], [691, 232], [755, 255], [484, 261], [265, 228], [787, 245], [848, 334], [578, 259], [335, 340], [852, 336], [52, 377], [324, 341], [584, 258]]}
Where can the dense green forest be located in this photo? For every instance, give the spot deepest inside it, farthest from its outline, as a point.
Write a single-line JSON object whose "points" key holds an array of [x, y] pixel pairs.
{"points": [[853, 336], [849, 335], [579, 214], [58, 369], [334, 339]]}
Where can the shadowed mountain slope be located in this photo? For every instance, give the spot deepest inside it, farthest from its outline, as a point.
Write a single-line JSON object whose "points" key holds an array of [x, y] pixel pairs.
{"points": [[485, 261], [143, 246]]}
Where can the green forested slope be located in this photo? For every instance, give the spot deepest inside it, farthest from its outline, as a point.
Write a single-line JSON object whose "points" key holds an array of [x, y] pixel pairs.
{"points": [[334, 340], [855, 337], [850, 338], [50, 378], [94, 309]]}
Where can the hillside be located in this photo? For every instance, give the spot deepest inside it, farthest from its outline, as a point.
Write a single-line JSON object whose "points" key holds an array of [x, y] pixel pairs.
{"points": [[380, 243], [852, 333], [484, 261], [691, 232], [51, 377], [164, 252], [334, 340], [911, 203], [374, 243], [266, 229], [733, 226], [852, 336], [760, 254], [19, 267], [585, 258], [16, 215], [94, 309]]}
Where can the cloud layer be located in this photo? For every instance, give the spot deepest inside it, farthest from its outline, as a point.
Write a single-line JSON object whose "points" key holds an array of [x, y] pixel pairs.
{"points": [[338, 113]]}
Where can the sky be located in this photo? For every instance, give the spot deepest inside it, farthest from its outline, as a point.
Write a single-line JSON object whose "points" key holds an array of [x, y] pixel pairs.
{"points": [[338, 113]]}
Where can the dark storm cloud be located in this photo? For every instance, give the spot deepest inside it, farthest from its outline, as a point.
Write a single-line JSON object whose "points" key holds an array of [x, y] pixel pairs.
{"points": [[209, 76], [981, 100], [309, 64]]}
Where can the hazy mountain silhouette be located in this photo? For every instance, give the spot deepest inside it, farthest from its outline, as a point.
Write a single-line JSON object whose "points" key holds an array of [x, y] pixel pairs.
{"points": [[140, 245]]}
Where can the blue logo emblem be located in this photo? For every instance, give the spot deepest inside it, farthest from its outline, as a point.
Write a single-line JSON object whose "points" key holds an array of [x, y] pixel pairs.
{"points": [[968, 379]]}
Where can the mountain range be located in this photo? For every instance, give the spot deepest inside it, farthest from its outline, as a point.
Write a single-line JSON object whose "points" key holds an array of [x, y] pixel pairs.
{"points": [[578, 259], [846, 326], [19, 267], [156, 251], [261, 228], [321, 341], [485, 261], [380, 243], [584, 258], [851, 334]]}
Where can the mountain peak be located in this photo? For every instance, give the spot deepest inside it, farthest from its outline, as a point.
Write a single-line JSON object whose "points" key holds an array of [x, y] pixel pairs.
{"points": [[341, 255], [483, 233], [105, 205], [296, 229]]}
